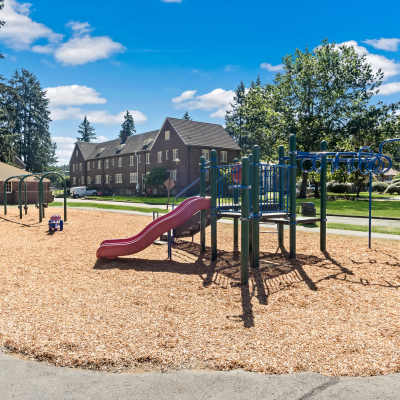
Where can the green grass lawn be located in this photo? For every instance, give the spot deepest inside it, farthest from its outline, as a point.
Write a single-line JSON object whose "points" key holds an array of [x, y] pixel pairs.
{"points": [[388, 208], [365, 195], [110, 207], [359, 228], [136, 199]]}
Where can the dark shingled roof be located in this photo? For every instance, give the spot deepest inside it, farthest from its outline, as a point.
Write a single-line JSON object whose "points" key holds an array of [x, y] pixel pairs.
{"points": [[114, 147], [191, 132], [203, 134]]}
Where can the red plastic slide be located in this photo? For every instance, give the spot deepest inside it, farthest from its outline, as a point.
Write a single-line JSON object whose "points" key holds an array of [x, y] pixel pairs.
{"points": [[122, 247]]}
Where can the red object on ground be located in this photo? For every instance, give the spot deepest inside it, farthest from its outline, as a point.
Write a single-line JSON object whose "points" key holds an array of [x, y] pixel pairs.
{"points": [[114, 248]]}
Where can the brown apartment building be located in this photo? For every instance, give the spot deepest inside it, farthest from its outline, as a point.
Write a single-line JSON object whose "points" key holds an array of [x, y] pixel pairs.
{"points": [[120, 168]]}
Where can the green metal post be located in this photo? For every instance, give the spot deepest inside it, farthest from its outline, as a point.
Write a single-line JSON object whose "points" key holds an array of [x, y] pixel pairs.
{"points": [[292, 186], [214, 189], [281, 171], [250, 208], [5, 196], [20, 198], [244, 261], [41, 200], [25, 198], [235, 219], [322, 229], [202, 194], [65, 201], [255, 190]]}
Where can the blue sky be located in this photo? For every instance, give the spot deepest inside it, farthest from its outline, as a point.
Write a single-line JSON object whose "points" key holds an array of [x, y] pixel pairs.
{"points": [[160, 58]]}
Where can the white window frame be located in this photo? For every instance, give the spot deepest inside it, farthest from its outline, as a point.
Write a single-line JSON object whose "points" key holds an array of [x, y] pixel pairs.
{"points": [[107, 179], [173, 173], [106, 163], [131, 160], [175, 154], [88, 166], [167, 135], [82, 180], [74, 180], [159, 156], [118, 178], [80, 166], [147, 158], [206, 154], [89, 180], [119, 162], [98, 164], [224, 156], [166, 155], [9, 185], [133, 177]]}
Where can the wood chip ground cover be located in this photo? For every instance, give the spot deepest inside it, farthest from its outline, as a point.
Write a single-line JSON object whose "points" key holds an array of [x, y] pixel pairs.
{"points": [[337, 314]]}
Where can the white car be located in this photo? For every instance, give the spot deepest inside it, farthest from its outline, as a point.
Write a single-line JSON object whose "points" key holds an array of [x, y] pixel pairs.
{"points": [[82, 191]]}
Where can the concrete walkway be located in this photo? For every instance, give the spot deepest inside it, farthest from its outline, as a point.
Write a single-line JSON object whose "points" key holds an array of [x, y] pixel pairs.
{"points": [[30, 380]]}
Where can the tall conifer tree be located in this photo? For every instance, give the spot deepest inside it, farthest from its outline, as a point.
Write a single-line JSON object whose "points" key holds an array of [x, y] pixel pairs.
{"points": [[86, 131], [127, 127]]}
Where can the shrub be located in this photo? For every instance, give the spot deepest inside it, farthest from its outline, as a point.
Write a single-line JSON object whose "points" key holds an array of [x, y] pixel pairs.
{"points": [[393, 189], [379, 187], [336, 187]]}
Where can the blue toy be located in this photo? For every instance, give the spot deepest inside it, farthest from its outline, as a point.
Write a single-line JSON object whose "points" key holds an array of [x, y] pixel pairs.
{"points": [[56, 223]]}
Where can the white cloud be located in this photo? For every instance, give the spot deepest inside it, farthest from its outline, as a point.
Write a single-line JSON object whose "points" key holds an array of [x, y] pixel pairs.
{"points": [[187, 95], [389, 44], [95, 116], [65, 146], [271, 68], [83, 49], [388, 67], [20, 30], [43, 49], [73, 95], [79, 27], [68, 113], [218, 100], [389, 88]]}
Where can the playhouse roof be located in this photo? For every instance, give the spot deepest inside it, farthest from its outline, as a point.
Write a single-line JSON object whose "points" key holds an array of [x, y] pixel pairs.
{"points": [[7, 170]]}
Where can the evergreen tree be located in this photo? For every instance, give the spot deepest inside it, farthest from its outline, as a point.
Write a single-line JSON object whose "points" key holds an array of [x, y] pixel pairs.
{"points": [[31, 122], [127, 127], [86, 131], [234, 117], [187, 116]]}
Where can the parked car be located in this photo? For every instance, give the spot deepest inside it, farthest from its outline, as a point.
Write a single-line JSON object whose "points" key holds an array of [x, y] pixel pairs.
{"points": [[82, 191]]}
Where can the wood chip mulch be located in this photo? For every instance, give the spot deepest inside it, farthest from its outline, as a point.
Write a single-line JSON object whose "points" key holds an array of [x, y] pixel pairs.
{"points": [[336, 313]]}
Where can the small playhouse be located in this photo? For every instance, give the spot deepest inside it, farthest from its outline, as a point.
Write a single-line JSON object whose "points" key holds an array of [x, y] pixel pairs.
{"points": [[32, 185]]}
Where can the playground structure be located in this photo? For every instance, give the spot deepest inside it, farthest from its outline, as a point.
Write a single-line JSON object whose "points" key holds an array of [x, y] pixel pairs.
{"points": [[256, 192], [22, 198], [252, 192]]}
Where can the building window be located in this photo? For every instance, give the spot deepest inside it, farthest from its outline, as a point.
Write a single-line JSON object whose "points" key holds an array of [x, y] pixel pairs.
{"points": [[9, 187], [119, 162], [118, 178], [138, 159], [113, 162], [224, 156], [106, 163], [98, 164], [147, 158], [82, 180], [166, 155], [89, 180], [131, 160], [88, 166], [167, 135], [172, 174], [98, 179], [206, 154], [159, 156], [74, 180], [175, 154], [133, 177], [107, 179], [80, 166]]}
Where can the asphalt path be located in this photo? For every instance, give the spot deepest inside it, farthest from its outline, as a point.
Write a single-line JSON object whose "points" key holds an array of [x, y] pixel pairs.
{"points": [[30, 380]]}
